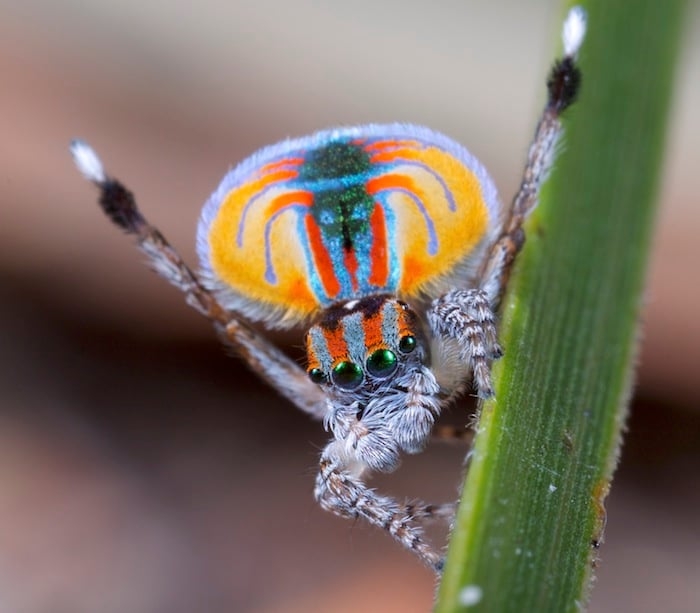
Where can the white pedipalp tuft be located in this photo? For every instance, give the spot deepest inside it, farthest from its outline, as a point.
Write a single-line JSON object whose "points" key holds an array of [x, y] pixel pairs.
{"points": [[87, 161], [574, 30]]}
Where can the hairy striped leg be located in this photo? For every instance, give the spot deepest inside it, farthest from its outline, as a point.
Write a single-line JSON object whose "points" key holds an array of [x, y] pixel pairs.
{"points": [[369, 433], [341, 491], [268, 362], [463, 323]]}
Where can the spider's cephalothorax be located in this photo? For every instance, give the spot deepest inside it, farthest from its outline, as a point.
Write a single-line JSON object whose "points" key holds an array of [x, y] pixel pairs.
{"points": [[344, 230], [370, 355]]}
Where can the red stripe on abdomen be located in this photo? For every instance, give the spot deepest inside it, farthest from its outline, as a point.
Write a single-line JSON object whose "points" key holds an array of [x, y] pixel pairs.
{"points": [[350, 263], [322, 260], [379, 272]]}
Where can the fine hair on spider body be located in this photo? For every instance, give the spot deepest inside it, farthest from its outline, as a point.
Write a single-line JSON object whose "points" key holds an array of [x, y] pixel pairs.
{"points": [[390, 244]]}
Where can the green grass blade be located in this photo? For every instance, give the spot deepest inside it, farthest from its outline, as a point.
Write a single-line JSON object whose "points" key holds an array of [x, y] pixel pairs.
{"points": [[546, 447]]}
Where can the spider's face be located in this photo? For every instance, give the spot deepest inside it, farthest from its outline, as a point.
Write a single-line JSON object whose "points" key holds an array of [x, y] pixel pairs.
{"points": [[363, 346]]}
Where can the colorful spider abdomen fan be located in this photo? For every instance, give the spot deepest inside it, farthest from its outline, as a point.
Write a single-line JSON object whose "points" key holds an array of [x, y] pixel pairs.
{"points": [[345, 213]]}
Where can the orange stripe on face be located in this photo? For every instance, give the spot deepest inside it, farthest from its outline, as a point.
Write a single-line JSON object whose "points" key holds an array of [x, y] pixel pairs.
{"points": [[312, 362], [323, 262], [407, 321], [378, 255], [372, 327], [337, 346]]}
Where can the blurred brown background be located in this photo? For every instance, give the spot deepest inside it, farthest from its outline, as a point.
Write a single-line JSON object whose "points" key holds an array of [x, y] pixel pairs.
{"points": [[143, 470]]}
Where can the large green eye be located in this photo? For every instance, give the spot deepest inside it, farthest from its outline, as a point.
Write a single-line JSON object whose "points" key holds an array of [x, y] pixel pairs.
{"points": [[407, 343], [317, 375], [382, 363], [347, 375]]}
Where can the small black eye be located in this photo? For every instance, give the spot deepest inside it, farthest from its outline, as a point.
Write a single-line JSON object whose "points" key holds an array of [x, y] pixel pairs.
{"points": [[347, 375], [382, 363], [317, 375], [407, 344]]}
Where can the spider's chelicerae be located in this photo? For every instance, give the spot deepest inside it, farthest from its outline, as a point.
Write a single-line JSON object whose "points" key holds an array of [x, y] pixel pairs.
{"points": [[390, 240]]}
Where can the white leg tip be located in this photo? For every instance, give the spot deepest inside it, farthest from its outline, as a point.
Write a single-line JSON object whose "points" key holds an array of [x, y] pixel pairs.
{"points": [[574, 31], [87, 161]]}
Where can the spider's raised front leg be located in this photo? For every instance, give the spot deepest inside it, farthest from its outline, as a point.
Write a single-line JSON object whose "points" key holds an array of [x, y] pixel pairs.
{"points": [[563, 87], [272, 365], [462, 321]]}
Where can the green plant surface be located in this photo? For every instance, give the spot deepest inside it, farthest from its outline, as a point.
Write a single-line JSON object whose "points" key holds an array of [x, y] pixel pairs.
{"points": [[532, 512]]}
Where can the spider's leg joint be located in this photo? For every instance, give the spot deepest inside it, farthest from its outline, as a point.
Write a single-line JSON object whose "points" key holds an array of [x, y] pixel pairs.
{"points": [[463, 323], [87, 161], [574, 30]]}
